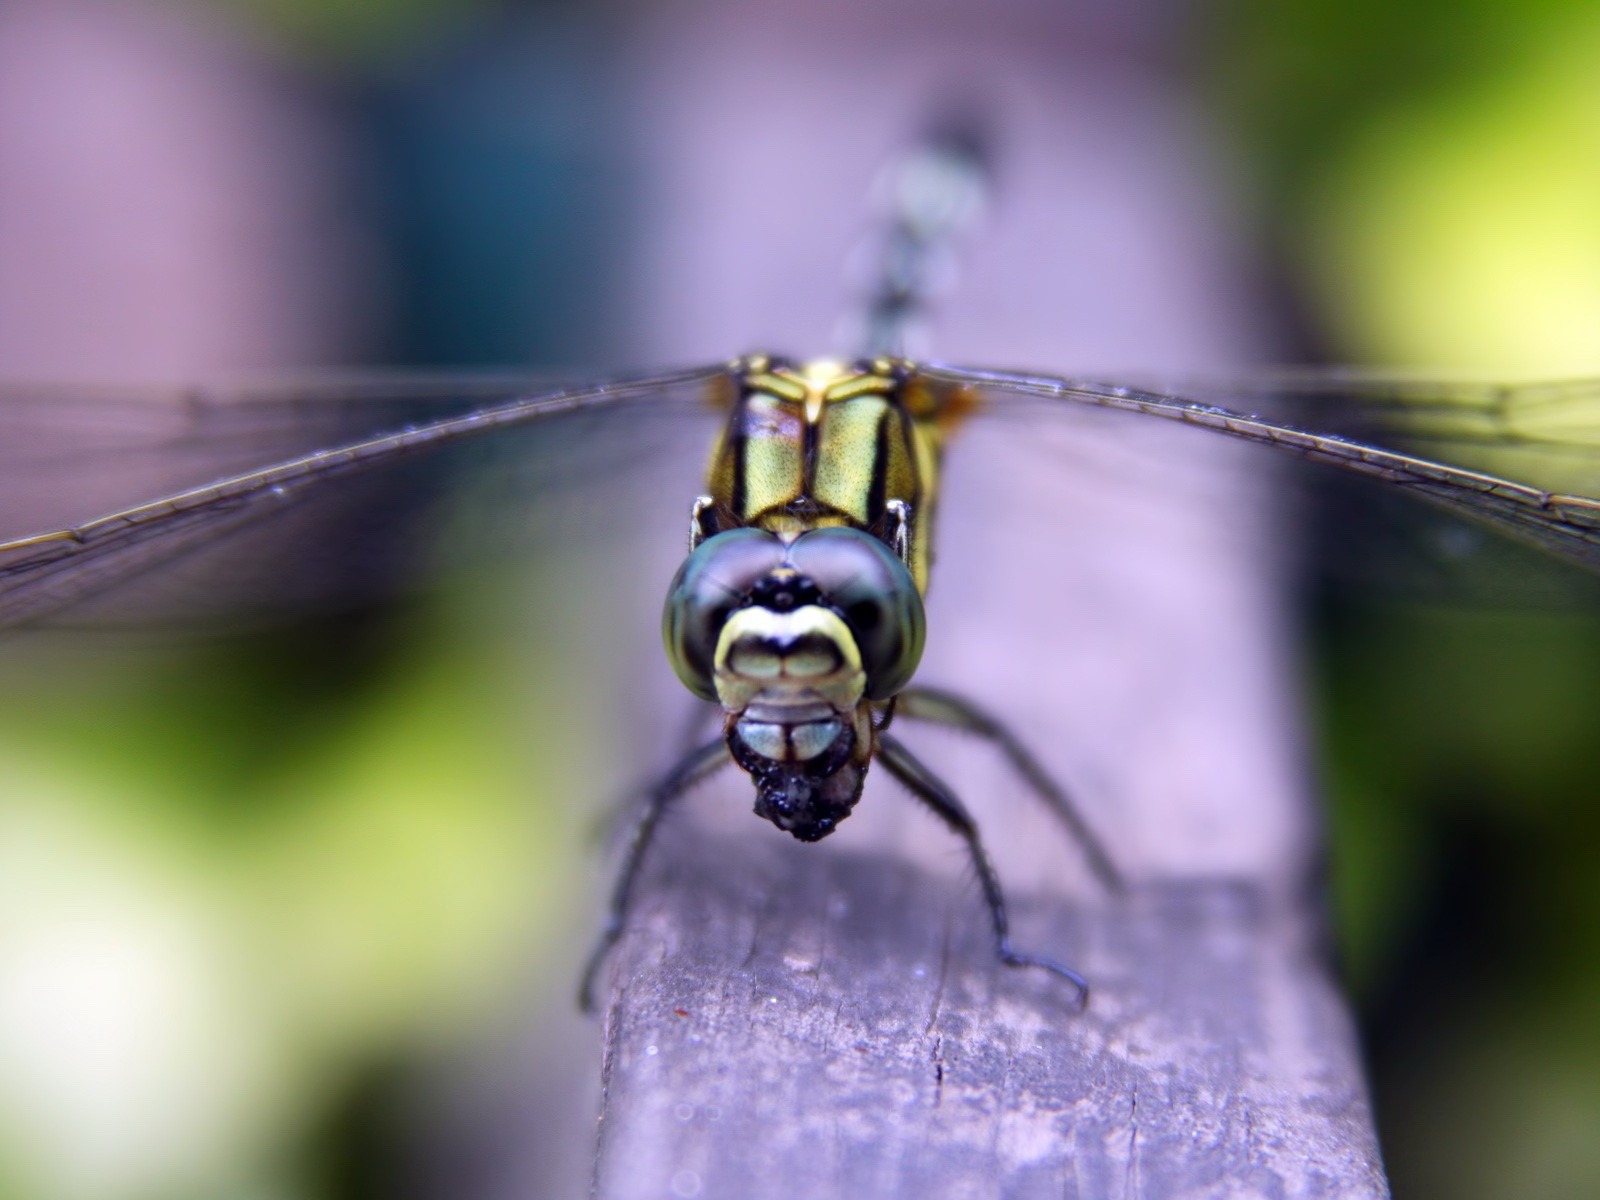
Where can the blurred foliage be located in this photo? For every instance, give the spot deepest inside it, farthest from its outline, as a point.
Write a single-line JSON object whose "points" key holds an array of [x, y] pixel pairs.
{"points": [[1431, 173], [1468, 232], [1431, 183], [272, 879], [1296, 79], [1458, 721], [361, 30]]}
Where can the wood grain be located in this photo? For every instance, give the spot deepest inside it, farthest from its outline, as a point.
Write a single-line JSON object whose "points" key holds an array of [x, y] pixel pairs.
{"points": [[793, 1024]]}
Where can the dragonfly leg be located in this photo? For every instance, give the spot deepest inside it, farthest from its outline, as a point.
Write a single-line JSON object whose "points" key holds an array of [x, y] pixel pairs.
{"points": [[607, 824], [933, 792], [690, 770], [943, 708]]}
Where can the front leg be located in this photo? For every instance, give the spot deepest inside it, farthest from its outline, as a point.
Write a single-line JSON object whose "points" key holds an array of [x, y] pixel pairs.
{"points": [[690, 770], [945, 708], [933, 792]]}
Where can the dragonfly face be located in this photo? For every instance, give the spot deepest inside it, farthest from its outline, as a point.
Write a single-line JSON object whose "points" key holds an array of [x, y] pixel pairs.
{"points": [[801, 620], [799, 638]]}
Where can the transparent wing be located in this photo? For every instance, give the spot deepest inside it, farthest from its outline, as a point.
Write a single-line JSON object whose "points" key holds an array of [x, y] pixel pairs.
{"points": [[71, 452], [319, 524], [1524, 459], [1544, 433]]}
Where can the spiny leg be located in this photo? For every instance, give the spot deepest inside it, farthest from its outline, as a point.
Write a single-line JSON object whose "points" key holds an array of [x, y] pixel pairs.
{"points": [[933, 792], [944, 708], [690, 770], [602, 831]]}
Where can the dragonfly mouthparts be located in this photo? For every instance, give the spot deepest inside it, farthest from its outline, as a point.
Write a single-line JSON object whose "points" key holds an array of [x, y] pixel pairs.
{"points": [[805, 806]]}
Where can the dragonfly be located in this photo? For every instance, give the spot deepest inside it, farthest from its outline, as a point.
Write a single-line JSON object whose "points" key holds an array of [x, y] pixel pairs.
{"points": [[798, 607]]}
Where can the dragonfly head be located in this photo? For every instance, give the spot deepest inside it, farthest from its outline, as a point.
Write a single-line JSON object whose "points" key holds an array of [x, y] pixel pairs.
{"points": [[796, 638]]}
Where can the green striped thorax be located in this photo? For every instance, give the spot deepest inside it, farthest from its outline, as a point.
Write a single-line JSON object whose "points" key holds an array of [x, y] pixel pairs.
{"points": [[799, 608]]}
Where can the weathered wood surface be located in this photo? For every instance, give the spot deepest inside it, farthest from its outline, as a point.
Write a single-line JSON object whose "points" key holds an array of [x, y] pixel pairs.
{"points": [[793, 1027]]}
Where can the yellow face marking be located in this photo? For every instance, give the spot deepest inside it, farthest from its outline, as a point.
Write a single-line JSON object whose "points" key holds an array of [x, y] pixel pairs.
{"points": [[809, 651], [754, 661], [810, 656], [813, 657]]}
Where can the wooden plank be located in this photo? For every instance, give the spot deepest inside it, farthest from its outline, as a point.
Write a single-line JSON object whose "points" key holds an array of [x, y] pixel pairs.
{"points": [[789, 1024]]}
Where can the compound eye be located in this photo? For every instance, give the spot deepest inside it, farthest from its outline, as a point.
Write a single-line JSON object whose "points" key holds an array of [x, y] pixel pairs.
{"points": [[711, 583], [871, 588]]}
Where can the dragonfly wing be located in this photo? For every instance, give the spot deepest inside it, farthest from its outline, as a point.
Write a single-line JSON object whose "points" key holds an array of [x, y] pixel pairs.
{"points": [[1546, 434], [73, 452], [1538, 430], [337, 524]]}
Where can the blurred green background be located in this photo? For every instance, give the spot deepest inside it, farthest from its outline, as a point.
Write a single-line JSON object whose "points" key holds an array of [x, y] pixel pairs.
{"points": [[285, 887], [1431, 175]]}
